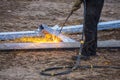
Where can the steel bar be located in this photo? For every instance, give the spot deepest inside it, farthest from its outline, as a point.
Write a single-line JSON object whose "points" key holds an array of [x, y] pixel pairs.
{"points": [[13, 35], [109, 44], [66, 42], [78, 28], [63, 45], [67, 29], [22, 46]]}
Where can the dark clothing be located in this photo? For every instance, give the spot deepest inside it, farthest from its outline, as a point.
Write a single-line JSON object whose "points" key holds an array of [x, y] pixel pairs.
{"points": [[93, 11]]}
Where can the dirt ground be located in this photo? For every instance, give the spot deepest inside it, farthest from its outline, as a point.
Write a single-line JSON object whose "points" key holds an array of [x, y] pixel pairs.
{"points": [[22, 15]]}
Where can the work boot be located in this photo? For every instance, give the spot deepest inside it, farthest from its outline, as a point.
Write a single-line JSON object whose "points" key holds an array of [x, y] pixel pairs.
{"points": [[82, 57]]}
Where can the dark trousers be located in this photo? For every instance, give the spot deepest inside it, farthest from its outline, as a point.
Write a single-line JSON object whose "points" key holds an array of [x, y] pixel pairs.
{"points": [[93, 11]]}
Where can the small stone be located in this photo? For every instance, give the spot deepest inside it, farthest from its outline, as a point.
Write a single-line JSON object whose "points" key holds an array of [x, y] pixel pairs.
{"points": [[9, 11], [111, 12]]}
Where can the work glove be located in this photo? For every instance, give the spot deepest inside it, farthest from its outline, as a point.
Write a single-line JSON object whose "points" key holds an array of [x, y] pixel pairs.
{"points": [[77, 5]]}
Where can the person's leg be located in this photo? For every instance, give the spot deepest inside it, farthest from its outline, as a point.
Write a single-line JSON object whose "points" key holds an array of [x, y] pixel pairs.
{"points": [[93, 11]]}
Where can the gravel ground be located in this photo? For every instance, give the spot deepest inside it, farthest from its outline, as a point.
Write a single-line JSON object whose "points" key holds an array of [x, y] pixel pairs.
{"points": [[22, 15]]}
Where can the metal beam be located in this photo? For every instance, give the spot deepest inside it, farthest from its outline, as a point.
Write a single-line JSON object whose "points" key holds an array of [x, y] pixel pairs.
{"points": [[110, 44], [66, 29], [79, 28], [62, 45], [67, 42], [13, 35], [23, 46]]}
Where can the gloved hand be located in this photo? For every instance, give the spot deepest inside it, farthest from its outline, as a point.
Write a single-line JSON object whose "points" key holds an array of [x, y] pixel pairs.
{"points": [[76, 5]]}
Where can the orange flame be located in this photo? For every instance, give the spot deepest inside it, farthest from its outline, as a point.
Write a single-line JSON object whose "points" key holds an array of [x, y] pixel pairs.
{"points": [[48, 38]]}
